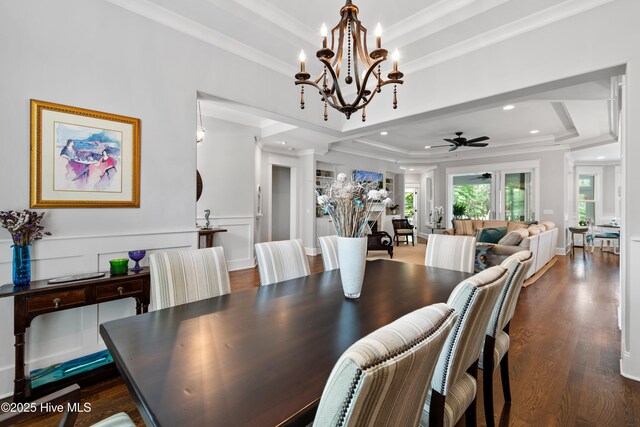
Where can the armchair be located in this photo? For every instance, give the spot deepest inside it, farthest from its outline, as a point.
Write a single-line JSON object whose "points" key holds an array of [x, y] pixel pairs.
{"points": [[402, 228]]}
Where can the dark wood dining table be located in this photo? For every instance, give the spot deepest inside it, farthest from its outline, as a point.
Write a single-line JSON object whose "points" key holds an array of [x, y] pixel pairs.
{"points": [[260, 357]]}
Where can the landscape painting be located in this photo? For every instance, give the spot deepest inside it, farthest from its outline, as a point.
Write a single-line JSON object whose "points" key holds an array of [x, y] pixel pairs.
{"points": [[83, 158]]}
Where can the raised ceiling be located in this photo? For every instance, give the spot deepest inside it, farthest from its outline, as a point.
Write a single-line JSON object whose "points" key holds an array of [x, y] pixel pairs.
{"points": [[427, 32]]}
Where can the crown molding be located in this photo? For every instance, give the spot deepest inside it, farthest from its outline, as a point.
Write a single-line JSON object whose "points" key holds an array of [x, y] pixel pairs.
{"points": [[280, 18], [362, 154], [383, 146], [414, 162], [164, 16], [432, 20], [513, 29]]}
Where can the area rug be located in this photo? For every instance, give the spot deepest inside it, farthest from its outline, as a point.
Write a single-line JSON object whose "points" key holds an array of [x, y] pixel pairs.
{"points": [[403, 253], [531, 280]]}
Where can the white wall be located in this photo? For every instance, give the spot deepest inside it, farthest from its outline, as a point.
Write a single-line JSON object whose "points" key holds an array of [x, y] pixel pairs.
{"points": [[226, 164]]}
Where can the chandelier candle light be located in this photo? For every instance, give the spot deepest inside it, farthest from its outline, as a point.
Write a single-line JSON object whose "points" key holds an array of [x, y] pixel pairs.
{"points": [[349, 31]]}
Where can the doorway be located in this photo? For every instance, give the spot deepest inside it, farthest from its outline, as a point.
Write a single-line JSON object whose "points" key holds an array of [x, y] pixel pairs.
{"points": [[281, 199], [411, 205]]}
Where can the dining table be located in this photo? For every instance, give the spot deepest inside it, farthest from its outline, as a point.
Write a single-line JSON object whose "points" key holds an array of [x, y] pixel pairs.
{"points": [[261, 356]]}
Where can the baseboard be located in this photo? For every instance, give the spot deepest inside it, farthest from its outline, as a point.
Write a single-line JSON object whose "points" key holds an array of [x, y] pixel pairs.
{"points": [[424, 235], [626, 374], [563, 251]]}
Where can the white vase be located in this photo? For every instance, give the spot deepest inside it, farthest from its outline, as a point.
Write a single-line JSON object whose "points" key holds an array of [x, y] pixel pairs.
{"points": [[352, 257]]}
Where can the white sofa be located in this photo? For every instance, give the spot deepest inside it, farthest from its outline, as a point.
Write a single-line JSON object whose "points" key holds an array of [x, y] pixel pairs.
{"points": [[542, 245]]}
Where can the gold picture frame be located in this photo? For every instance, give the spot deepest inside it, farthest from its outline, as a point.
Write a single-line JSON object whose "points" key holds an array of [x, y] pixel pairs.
{"points": [[83, 158]]}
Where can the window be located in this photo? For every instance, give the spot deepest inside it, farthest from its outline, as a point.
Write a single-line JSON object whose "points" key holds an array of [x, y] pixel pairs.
{"points": [[586, 197], [474, 192]]}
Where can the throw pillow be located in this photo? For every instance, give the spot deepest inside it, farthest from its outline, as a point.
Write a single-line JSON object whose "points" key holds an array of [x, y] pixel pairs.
{"points": [[463, 227], [492, 235], [542, 228], [512, 239], [533, 230], [550, 225], [515, 225]]}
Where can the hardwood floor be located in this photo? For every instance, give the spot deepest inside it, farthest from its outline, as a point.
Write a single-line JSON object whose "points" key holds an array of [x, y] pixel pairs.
{"points": [[564, 357]]}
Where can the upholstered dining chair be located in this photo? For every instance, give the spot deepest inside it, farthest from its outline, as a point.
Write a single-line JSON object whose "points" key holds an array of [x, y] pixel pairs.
{"points": [[180, 277], [282, 260], [452, 252], [454, 383], [67, 396], [496, 343], [380, 380], [329, 247]]}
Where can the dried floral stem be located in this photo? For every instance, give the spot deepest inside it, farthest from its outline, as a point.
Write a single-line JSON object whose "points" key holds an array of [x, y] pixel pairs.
{"points": [[350, 204], [24, 226]]}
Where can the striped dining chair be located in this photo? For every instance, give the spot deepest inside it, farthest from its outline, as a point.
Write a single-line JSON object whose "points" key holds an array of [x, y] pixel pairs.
{"points": [[180, 277], [283, 260], [452, 252], [380, 380], [496, 343], [454, 384], [329, 247]]}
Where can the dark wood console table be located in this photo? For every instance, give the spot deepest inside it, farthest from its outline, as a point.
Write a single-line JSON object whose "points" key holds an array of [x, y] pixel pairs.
{"points": [[209, 233], [41, 297]]}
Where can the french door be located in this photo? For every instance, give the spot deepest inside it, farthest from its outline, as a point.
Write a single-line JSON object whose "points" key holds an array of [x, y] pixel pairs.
{"points": [[504, 194]]}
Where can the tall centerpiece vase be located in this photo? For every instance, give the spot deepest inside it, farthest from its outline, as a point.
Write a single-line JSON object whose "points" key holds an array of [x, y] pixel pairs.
{"points": [[21, 265], [352, 257]]}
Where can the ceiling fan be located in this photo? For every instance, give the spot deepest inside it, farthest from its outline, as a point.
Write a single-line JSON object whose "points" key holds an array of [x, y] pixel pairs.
{"points": [[460, 141], [484, 176]]}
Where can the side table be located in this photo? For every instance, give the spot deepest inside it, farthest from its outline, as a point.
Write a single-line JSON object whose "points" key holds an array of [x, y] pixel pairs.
{"points": [[41, 297], [209, 233]]}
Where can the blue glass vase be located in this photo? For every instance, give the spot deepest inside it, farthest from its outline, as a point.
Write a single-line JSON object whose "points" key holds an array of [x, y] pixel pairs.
{"points": [[21, 265]]}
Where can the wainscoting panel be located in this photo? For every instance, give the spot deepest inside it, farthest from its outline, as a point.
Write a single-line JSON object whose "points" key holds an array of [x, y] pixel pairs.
{"points": [[58, 337], [237, 242]]}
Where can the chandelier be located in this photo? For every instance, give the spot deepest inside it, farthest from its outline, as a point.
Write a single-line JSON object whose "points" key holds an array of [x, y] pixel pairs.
{"points": [[362, 68]]}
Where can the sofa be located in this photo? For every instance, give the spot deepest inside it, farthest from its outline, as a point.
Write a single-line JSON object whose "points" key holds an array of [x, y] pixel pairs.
{"points": [[540, 239]]}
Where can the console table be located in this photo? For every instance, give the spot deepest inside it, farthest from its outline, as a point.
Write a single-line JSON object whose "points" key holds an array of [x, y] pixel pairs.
{"points": [[41, 297]]}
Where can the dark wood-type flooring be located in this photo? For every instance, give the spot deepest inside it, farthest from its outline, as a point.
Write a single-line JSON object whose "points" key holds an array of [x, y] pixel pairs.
{"points": [[565, 350]]}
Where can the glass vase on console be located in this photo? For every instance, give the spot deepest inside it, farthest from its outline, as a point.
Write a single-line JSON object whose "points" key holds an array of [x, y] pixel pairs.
{"points": [[21, 265]]}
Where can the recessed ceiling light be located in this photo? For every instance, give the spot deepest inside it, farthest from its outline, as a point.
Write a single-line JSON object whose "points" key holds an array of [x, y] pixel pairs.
{"points": [[534, 131], [284, 143], [412, 169], [383, 133], [600, 157], [508, 107], [427, 146]]}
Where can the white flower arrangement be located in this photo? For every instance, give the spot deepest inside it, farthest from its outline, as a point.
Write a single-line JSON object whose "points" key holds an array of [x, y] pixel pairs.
{"points": [[350, 204], [437, 214]]}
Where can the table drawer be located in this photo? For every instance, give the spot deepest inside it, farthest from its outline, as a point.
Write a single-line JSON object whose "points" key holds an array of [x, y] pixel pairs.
{"points": [[56, 300], [114, 290]]}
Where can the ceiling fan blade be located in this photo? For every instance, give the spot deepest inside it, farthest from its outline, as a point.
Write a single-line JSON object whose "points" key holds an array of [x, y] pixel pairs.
{"points": [[453, 148], [482, 138], [450, 140], [478, 144]]}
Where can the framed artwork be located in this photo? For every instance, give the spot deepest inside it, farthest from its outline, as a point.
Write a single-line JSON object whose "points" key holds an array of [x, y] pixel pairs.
{"points": [[83, 158]]}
